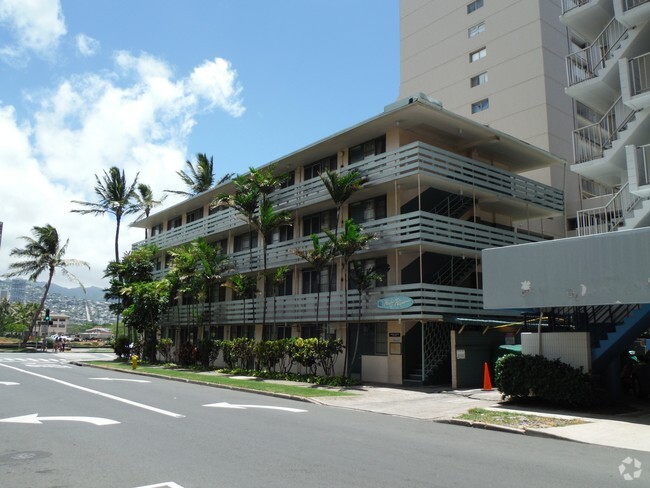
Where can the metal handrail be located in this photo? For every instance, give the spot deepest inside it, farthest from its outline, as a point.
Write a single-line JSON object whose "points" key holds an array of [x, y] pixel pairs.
{"points": [[643, 165], [630, 4], [590, 141], [610, 216], [585, 64], [640, 74], [568, 5]]}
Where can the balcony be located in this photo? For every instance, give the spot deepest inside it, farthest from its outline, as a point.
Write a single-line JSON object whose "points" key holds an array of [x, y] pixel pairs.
{"points": [[586, 17], [592, 74], [632, 12], [436, 167], [430, 302], [435, 233], [638, 161], [635, 81]]}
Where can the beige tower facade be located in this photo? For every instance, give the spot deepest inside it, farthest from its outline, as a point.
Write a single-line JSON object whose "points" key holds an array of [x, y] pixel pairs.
{"points": [[500, 63]]}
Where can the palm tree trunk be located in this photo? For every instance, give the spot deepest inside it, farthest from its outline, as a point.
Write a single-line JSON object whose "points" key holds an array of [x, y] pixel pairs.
{"points": [[40, 308]]}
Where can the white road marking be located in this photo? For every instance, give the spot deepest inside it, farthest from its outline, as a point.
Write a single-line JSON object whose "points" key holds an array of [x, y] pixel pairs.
{"points": [[120, 379], [244, 407], [169, 484], [8, 383], [50, 365], [100, 393], [35, 419]]}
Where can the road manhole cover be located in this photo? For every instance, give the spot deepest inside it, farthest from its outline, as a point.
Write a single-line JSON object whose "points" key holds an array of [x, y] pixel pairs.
{"points": [[23, 456]]}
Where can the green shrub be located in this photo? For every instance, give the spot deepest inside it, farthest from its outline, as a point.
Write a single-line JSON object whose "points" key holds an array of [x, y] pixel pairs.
{"points": [[187, 354], [165, 349], [523, 376], [121, 347]]}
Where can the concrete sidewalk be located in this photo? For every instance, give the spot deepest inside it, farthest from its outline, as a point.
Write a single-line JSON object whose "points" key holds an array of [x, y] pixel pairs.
{"points": [[628, 428]]}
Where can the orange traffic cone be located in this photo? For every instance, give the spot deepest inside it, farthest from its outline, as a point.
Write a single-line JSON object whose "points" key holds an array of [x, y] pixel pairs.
{"points": [[487, 383]]}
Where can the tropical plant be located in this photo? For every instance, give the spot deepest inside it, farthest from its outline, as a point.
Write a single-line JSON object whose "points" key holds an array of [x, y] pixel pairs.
{"points": [[136, 266], [198, 178], [275, 280], [116, 197], [243, 287], [212, 265], [145, 202], [364, 279], [149, 301], [341, 187], [319, 257], [43, 253]]}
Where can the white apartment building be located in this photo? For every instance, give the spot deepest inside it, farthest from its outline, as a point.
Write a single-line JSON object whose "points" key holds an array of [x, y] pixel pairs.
{"points": [[597, 282], [441, 188], [608, 76], [500, 63]]}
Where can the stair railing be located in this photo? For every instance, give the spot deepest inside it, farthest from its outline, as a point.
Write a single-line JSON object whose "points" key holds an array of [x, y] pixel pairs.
{"points": [[454, 206], [586, 63], [608, 217], [568, 5], [629, 4], [455, 271], [590, 141]]}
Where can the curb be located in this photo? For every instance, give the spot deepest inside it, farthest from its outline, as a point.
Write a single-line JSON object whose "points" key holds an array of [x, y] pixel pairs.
{"points": [[483, 425], [202, 383]]}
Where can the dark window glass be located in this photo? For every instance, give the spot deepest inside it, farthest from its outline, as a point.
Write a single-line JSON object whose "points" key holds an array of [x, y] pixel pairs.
{"points": [[368, 210], [314, 169], [367, 149]]}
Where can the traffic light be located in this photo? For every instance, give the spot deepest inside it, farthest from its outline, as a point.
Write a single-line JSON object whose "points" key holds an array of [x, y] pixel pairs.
{"points": [[47, 315]]}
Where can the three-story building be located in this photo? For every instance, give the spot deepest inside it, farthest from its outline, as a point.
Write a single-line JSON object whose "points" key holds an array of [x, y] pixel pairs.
{"points": [[440, 189]]}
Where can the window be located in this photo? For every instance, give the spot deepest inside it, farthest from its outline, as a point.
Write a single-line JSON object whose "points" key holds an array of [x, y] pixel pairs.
{"points": [[310, 280], [244, 242], [309, 331], [173, 223], [475, 30], [283, 332], [480, 105], [479, 79], [368, 149], [288, 179], [314, 169], [156, 229], [475, 5], [368, 210], [286, 287], [282, 234], [315, 223], [194, 215], [476, 55], [381, 267]]}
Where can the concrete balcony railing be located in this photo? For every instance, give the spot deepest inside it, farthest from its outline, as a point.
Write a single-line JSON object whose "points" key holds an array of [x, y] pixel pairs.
{"points": [[568, 5], [630, 4], [429, 302], [413, 159], [585, 64], [412, 229], [639, 74], [591, 141]]}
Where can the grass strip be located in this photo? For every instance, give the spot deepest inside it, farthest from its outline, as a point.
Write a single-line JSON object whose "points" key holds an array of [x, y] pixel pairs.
{"points": [[257, 385], [515, 419]]}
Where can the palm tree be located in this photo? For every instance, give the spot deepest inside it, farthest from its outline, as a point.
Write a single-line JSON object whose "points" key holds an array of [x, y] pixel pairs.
{"points": [[212, 265], [116, 197], [340, 188], [243, 286], [277, 278], [364, 278], [145, 201], [198, 178], [266, 223], [43, 253], [351, 241], [319, 257]]}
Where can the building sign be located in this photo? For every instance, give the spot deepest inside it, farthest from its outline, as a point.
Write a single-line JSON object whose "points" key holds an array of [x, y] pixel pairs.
{"points": [[395, 303]]}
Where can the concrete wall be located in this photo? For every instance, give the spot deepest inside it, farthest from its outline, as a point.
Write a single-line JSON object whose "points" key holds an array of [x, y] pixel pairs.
{"points": [[570, 347], [601, 269], [470, 351]]}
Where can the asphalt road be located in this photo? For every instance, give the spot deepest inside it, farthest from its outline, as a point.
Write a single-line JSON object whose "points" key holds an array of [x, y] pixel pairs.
{"points": [[95, 429]]}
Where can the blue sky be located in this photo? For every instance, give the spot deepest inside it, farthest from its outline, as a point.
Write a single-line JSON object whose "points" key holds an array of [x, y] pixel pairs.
{"points": [[146, 84]]}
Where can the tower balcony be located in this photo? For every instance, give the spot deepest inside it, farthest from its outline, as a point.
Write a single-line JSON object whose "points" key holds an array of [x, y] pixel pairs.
{"points": [[586, 17], [632, 12]]}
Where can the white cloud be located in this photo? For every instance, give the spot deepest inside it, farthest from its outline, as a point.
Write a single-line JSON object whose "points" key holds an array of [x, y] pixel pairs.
{"points": [[86, 45], [137, 118], [36, 25], [216, 82]]}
